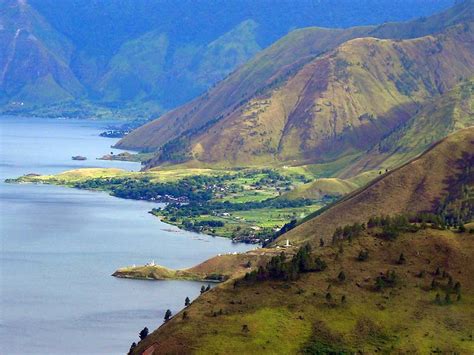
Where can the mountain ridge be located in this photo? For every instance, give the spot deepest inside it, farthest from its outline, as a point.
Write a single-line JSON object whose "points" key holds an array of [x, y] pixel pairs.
{"points": [[85, 65], [348, 284], [418, 186], [269, 126]]}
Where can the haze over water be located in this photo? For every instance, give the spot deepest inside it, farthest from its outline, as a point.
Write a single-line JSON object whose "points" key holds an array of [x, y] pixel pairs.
{"points": [[59, 247]]}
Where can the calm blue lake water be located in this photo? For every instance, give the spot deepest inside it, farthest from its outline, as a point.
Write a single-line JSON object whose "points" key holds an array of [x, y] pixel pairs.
{"points": [[59, 247]]}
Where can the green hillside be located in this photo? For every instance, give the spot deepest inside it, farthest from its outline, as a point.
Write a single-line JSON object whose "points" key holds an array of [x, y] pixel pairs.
{"points": [[317, 96], [387, 269], [438, 118]]}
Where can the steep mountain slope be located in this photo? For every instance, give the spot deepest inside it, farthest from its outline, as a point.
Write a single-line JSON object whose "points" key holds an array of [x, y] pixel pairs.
{"points": [[138, 59], [302, 106], [34, 60], [421, 185], [266, 70], [152, 68], [320, 314], [408, 292], [438, 118]]}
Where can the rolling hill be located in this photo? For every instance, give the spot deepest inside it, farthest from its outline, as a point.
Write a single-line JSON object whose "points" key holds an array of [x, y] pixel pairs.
{"points": [[375, 291], [313, 95], [421, 185]]}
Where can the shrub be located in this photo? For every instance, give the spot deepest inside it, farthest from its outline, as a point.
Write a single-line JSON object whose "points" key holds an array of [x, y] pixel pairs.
{"points": [[132, 347], [389, 279], [363, 255], [167, 315], [328, 297], [143, 334], [401, 259]]}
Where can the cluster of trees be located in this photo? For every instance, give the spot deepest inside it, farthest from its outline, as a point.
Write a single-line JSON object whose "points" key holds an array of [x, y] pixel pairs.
{"points": [[457, 207], [348, 232], [389, 279], [198, 208], [392, 226], [199, 225], [205, 289], [193, 188], [450, 287], [280, 268]]}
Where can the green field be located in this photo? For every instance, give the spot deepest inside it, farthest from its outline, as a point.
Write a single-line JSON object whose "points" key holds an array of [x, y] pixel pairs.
{"points": [[254, 188]]}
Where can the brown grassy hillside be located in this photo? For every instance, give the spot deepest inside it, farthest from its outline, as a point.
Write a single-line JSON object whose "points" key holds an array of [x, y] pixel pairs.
{"points": [[409, 292], [289, 317], [420, 185], [285, 105], [341, 103], [267, 69], [440, 117]]}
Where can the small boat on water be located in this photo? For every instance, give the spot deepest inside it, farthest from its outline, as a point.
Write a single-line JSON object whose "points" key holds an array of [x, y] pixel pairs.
{"points": [[78, 157]]}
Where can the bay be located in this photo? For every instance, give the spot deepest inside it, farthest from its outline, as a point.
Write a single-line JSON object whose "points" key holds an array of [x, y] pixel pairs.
{"points": [[59, 247]]}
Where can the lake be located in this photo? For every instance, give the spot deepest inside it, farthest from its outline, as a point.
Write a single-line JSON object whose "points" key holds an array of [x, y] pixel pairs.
{"points": [[59, 247]]}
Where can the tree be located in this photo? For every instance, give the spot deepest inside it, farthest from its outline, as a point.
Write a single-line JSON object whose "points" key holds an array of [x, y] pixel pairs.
{"points": [[343, 299], [320, 264], [450, 282], [438, 271], [447, 298], [185, 315], [457, 287], [143, 334], [363, 255], [167, 315], [187, 302], [208, 287], [438, 298], [462, 228], [245, 328], [401, 259], [328, 297], [203, 289], [341, 277], [132, 347], [321, 242]]}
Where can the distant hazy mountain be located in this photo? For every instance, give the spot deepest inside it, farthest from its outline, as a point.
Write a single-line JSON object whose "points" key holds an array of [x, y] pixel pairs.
{"points": [[137, 58], [34, 59]]}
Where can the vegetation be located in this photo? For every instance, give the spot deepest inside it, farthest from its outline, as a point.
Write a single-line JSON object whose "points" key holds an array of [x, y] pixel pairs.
{"points": [[245, 204], [143, 333], [314, 303], [168, 315], [279, 268]]}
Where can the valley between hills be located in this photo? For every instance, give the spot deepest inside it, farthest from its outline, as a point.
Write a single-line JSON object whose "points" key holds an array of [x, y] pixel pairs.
{"points": [[347, 154]]}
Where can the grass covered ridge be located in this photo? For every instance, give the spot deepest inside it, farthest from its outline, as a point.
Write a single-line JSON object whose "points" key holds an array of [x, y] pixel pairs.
{"points": [[299, 316]]}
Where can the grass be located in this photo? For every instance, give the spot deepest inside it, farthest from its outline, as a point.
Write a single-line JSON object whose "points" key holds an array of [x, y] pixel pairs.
{"points": [[270, 328], [249, 220], [294, 316], [247, 186]]}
